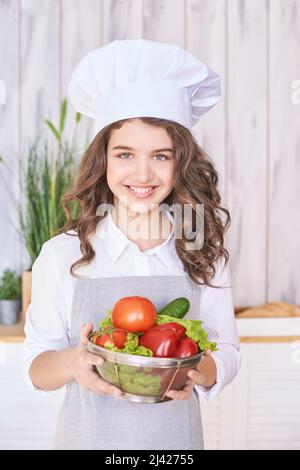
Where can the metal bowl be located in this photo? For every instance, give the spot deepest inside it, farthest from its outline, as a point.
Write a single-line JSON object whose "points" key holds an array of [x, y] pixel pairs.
{"points": [[144, 379]]}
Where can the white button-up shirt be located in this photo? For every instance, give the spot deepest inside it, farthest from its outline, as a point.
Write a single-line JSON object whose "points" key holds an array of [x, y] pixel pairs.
{"points": [[48, 318]]}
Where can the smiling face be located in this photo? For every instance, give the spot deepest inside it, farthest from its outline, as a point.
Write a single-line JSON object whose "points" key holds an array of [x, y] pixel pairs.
{"points": [[140, 165]]}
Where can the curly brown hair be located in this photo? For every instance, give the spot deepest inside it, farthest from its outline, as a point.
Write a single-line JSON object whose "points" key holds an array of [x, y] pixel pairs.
{"points": [[196, 182]]}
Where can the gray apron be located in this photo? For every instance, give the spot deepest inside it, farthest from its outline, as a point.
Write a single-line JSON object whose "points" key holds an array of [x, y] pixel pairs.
{"points": [[91, 421]]}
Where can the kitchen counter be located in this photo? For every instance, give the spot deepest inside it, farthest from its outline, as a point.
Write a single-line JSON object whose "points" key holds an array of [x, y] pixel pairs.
{"points": [[12, 333]]}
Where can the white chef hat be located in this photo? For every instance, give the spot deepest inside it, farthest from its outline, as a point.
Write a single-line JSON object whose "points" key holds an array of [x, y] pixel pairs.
{"points": [[137, 77]]}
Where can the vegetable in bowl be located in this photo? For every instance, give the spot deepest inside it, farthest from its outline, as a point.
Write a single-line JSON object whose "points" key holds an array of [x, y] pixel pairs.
{"points": [[146, 352], [134, 327]]}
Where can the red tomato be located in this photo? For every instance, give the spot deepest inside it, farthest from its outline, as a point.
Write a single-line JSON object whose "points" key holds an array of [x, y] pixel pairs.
{"points": [[173, 326], [134, 313], [186, 347], [115, 337], [161, 342], [119, 338], [103, 339]]}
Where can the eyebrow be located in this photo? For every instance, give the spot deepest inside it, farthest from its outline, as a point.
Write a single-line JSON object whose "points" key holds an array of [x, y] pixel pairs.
{"points": [[124, 147]]}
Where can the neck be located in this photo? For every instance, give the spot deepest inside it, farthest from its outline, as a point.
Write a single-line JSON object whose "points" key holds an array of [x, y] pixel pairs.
{"points": [[146, 230]]}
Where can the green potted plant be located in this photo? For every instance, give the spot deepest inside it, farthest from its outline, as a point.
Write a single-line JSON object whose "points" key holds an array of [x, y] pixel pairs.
{"points": [[49, 170], [10, 297]]}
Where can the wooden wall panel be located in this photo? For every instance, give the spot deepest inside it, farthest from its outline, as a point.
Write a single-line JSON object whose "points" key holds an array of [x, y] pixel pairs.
{"points": [[164, 21], [40, 75], [39, 72], [252, 133], [121, 20], [10, 246], [247, 87], [206, 39], [76, 41], [284, 153]]}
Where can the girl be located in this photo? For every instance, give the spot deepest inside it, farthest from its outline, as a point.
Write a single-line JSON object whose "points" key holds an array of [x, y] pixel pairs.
{"points": [[137, 167]]}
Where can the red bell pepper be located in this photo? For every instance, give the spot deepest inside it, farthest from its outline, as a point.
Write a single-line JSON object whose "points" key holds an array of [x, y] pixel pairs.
{"points": [[186, 347], [169, 340], [173, 326], [161, 342]]}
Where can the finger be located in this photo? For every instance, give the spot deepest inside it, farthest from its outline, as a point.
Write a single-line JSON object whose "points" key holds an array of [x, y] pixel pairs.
{"points": [[189, 382], [197, 377], [188, 386], [87, 379], [91, 359], [85, 330], [93, 382], [183, 393], [207, 352], [178, 394], [103, 387]]}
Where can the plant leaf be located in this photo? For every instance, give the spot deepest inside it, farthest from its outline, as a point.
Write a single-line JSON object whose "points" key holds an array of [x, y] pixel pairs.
{"points": [[53, 129], [63, 114]]}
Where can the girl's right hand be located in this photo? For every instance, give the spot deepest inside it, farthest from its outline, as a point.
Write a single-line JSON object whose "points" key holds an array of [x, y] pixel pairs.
{"points": [[82, 367]]}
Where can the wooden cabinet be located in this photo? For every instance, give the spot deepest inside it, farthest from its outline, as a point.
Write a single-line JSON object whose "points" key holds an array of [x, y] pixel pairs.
{"points": [[27, 420], [260, 409]]}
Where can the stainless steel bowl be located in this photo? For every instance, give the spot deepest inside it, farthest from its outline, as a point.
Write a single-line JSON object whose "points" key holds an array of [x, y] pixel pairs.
{"points": [[144, 379]]}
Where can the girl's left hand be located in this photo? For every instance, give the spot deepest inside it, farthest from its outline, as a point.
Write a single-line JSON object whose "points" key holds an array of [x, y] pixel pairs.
{"points": [[205, 374]]}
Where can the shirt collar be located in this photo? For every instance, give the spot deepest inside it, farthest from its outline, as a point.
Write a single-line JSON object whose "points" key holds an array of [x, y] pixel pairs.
{"points": [[115, 241]]}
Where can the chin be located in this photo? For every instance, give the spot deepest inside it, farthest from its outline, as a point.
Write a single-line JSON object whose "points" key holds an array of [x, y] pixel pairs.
{"points": [[139, 210]]}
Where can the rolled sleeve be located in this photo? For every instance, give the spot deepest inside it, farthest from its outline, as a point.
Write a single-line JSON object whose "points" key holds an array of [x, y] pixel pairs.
{"points": [[46, 322], [217, 314]]}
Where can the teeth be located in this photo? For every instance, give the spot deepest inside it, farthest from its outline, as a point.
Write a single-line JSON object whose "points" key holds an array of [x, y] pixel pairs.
{"points": [[141, 190]]}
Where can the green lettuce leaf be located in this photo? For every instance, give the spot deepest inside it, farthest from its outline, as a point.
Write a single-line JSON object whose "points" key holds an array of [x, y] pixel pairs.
{"points": [[194, 331], [132, 379], [132, 343], [106, 321]]}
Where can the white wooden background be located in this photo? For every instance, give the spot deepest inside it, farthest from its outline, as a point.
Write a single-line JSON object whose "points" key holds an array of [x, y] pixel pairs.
{"points": [[252, 134]]}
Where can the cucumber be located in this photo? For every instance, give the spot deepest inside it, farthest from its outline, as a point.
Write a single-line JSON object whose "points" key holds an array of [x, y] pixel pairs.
{"points": [[177, 308]]}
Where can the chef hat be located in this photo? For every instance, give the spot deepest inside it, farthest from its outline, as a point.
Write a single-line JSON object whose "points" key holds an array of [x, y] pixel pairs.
{"points": [[137, 77]]}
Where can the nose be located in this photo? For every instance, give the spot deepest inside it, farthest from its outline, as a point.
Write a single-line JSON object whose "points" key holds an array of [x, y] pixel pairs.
{"points": [[142, 172]]}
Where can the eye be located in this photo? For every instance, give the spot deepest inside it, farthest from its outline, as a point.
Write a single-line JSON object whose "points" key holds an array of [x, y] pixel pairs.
{"points": [[160, 155], [124, 154]]}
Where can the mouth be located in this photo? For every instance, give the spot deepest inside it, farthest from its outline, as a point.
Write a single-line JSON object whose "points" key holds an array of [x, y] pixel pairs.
{"points": [[142, 191]]}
